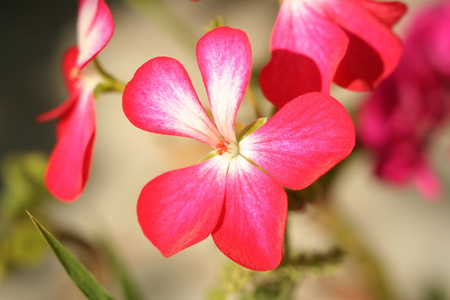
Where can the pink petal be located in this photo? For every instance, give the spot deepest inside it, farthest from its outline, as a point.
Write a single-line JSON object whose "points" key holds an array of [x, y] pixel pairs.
{"points": [[95, 27], [373, 51], [387, 12], [251, 228], [427, 38], [70, 71], [160, 98], [302, 141], [70, 161], [180, 208], [59, 110], [306, 50], [70, 74], [427, 181], [224, 58]]}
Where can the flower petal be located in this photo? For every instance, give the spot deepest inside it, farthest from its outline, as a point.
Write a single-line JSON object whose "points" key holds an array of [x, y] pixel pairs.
{"points": [[160, 98], [387, 12], [302, 141], [306, 50], [59, 110], [373, 51], [426, 181], [251, 228], [70, 70], [95, 27], [70, 161], [180, 208], [70, 74], [224, 58]]}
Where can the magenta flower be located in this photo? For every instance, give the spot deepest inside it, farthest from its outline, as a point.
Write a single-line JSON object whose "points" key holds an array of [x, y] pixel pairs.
{"points": [[236, 195], [399, 119], [70, 161], [317, 42]]}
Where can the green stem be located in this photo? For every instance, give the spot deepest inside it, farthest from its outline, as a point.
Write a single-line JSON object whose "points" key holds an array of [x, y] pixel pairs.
{"points": [[115, 85], [110, 83]]}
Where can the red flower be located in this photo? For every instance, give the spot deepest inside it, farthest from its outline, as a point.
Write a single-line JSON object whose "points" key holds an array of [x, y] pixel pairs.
{"points": [[398, 120], [317, 42], [70, 161], [236, 195]]}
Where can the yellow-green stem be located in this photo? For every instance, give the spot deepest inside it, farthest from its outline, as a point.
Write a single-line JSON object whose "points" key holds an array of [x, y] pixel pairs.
{"points": [[110, 83]]}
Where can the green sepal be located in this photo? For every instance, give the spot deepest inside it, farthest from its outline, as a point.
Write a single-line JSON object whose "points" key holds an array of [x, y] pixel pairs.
{"points": [[208, 156], [217, 22], [250, 128], [109, 83], [85, 281]]}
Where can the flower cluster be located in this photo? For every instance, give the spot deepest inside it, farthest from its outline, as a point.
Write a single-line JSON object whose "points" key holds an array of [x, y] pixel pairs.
{"points": [[317, 42], [70, 161], [398, 119], [237, 193]]}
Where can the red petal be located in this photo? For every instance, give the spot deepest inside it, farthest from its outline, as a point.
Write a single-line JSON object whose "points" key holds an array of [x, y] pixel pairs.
{"points": [[160, 98], [310, 39], [427, 182], [251, 228], [69, 69], [373, 51], [95, 27], [302, 141], [180, 208], [224, 58], [387, 12], [306, 50], [57, 111], [70, 74], [70, 161]]}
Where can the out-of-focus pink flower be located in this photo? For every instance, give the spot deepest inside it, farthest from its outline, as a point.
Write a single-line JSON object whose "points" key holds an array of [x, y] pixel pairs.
{"points": [[236, 195], [70, 161], [397, 121], [317, 42]]}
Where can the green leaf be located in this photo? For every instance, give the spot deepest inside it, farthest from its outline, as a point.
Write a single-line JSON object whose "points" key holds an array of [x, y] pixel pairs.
{"points": [[85, 281], [208, 156], [217, 22]]}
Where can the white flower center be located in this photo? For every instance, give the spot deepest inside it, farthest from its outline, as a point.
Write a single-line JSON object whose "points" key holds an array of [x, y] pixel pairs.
{"points": [[225, 147]]}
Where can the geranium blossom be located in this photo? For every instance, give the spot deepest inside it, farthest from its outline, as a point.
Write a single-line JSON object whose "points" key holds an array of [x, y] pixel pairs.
{"points": [[398, 120], [70, 161], [237, 194], [317, 42]]}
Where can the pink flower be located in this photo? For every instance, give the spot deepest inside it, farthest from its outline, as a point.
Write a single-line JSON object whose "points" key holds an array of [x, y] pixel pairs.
{"points": [[70, 161], [399, 119], [317, 42], [236, 195]]}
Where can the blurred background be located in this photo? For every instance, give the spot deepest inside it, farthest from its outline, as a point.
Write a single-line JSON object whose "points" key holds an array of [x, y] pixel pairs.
{"points": [[406, 237]]}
